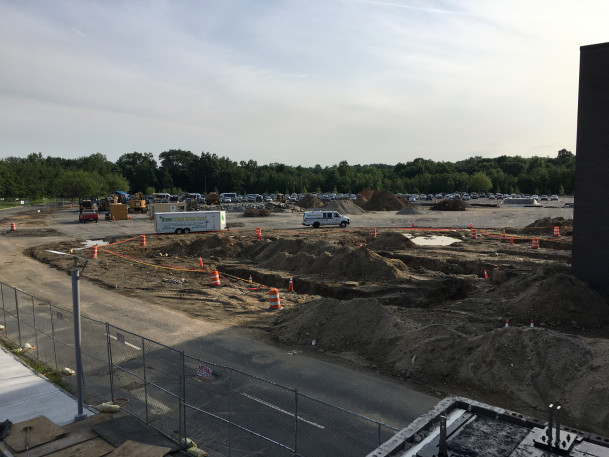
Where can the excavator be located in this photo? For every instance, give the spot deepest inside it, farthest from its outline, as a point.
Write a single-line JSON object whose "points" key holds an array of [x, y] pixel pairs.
{"points": [[138, 203]]}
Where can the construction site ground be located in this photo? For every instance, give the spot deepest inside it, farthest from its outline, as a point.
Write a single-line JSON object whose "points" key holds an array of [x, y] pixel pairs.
{"points": [[399, 303]]}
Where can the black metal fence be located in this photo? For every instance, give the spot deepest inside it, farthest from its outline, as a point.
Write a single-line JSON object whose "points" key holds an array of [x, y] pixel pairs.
{"points": [[224, 410]]}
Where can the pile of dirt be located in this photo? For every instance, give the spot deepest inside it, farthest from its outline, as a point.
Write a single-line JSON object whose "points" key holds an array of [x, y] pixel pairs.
{"points": [[554, 299], [408, 211], [343, 207], [551, 222], [217, 245], [383, 200], [545, 226], [310, 201], [533, 366], [391, 241], [449, 205], [256, 212], [328, 261]]}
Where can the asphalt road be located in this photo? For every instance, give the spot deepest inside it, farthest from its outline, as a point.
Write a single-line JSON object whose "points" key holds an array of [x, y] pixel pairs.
{"points": [[364, 392]]}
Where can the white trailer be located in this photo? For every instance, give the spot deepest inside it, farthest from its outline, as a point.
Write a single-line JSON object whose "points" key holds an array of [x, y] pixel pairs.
{"points": [[190, 221]]}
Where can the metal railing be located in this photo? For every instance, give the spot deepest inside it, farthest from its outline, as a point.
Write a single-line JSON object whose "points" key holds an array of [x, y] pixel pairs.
{"points": [[224, 410]]}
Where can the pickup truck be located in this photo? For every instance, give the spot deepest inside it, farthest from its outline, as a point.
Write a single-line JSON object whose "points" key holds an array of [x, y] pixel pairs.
{"points": [[88, 214]]}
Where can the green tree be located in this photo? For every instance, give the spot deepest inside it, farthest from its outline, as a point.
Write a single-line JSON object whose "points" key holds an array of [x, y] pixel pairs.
{"points": [[139, 169], [480, 182]]}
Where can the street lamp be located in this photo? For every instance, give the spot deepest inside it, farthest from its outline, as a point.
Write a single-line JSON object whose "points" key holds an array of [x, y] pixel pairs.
{"points": [[76, 312], [77, 350]]}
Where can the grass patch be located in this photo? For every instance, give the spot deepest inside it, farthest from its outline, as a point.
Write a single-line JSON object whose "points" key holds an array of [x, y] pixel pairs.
{"points": [[56, 377]]}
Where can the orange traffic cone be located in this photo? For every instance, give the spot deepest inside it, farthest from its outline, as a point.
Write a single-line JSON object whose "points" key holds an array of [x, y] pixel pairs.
{"points": [[485, 275], [250, 281], [200, 262], [532, 323], [291, 285], [413, 225], [507, 323]]}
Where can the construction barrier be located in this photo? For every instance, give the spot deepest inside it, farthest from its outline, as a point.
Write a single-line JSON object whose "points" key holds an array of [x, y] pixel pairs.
{"points": [[13, 226], [373, 232], [142, 240], [214, 278], [258, 233], [474, 234], [556, 230], [93, 254], [535, 243], [274, 302], [291, 285]]}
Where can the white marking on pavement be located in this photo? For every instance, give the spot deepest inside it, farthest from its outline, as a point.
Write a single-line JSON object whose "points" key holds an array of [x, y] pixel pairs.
{"points": [[270, 405], [127, 344]]}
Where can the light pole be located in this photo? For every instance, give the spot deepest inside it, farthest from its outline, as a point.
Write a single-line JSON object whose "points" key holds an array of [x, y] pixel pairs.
{"points": [[76, 312]]}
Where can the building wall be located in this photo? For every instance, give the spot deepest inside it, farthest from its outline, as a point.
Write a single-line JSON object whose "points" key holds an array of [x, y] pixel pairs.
{"points": [[591, 212]]}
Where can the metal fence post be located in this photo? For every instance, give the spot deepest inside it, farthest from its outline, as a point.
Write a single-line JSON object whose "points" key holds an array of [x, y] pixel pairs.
{"points": [[3, 309], [379, 435], [182, 400], [53, 335], [18, 318], [145, 380], [230, 402], [35, 328], [296, 422], [110, 370]]}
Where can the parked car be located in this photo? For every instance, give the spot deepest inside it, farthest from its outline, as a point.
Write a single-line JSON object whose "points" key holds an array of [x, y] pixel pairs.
{"points": [[544, 198], [554, 197]]}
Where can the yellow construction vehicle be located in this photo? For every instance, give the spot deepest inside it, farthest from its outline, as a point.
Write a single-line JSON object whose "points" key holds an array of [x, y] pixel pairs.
{"points": [[138, 203]]}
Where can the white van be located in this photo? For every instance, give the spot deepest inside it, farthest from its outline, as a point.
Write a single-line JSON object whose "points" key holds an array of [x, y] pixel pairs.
{"points": [[319, 218]]}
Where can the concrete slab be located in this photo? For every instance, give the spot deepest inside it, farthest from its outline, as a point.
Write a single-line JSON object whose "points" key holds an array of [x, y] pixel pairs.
{"points": [[25, 394]]}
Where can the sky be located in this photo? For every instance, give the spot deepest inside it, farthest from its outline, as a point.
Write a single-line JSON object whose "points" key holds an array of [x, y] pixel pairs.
{"points": [[298, 82]]}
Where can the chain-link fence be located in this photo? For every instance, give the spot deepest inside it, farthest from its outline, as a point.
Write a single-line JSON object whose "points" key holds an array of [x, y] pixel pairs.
{"points": [[228, 412]]}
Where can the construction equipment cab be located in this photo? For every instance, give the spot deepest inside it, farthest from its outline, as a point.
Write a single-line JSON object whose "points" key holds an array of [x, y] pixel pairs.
{"points": [[319, 218]]}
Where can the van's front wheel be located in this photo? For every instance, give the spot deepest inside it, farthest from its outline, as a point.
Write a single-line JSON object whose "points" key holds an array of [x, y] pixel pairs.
{"points": [[316, 224], [343, 224]]}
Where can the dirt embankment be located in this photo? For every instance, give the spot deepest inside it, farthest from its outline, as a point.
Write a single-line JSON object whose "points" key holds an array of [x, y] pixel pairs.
{"points": [[423, 314]]}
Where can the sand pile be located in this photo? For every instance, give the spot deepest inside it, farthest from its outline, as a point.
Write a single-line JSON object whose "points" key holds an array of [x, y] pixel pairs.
{"points": [[545, 226], [310, 201], [383, 200], [391, 241], [343, 207]]}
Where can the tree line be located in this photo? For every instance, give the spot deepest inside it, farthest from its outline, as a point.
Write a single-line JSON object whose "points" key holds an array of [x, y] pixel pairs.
{"points": [[177, 170]]}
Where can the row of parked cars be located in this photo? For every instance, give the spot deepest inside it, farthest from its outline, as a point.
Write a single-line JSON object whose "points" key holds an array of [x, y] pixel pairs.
{"points": [[474, 196]]}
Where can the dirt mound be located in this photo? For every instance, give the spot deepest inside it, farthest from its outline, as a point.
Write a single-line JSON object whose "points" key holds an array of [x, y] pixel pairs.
{"points": [[556, 300], [219, 245], [449, 205], [358, 326], [329, 261], [408, 211], [394, 241], [499, 362], [256, 212], [551, 222], [545, 226], [344, 207], [310, 201], [383, 200]]}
